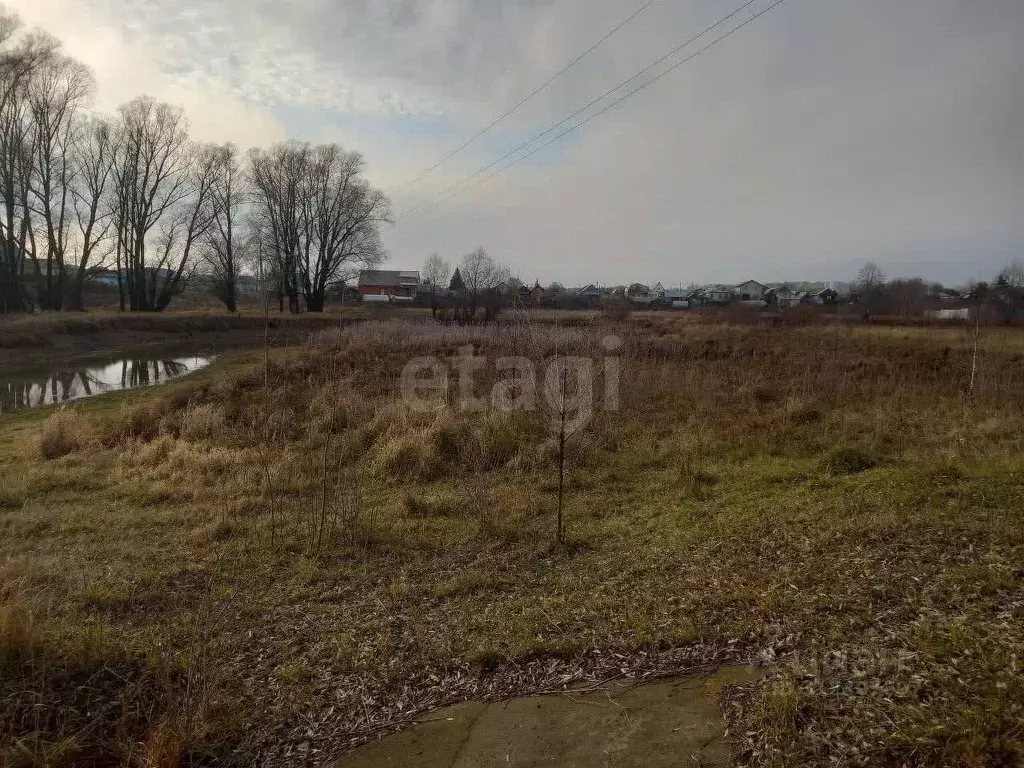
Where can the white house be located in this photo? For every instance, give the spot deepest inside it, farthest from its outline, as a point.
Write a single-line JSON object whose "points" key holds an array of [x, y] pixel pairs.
{"points": [[639, 293], [751, 290], [783, 297], [678, 298], [948, 314], [721, 294]]}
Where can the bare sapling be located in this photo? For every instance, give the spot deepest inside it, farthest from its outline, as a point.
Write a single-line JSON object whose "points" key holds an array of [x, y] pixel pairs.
{"points": [[569, 407]]}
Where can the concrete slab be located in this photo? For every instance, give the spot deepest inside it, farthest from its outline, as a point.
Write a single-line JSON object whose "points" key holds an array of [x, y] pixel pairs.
{"points": [[670, 724]]}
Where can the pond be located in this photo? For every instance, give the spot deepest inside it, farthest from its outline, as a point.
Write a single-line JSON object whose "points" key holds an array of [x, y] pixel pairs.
{"points": [[76, 381]]}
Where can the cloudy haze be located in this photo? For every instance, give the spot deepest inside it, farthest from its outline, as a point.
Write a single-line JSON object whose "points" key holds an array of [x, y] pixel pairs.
{"points": [[821, 135]]}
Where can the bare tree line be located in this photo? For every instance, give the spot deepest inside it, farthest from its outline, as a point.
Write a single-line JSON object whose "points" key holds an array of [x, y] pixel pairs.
{"points": [[476, 286], [1002, 300], [133, 195]]}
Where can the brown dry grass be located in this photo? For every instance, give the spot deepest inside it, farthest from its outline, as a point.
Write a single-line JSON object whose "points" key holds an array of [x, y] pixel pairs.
{"points": [[61, 434], [17, 331], [797, 495]]}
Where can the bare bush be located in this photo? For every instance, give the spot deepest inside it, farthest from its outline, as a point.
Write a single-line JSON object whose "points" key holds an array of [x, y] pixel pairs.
{"points": [[201, 422], [61, 434]]}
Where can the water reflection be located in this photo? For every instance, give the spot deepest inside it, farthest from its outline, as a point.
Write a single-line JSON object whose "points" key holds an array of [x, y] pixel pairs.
{"points": [[73, 383]]}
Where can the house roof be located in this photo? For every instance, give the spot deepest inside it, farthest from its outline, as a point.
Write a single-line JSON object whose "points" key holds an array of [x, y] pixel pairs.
{"points": [[387, 277], [749, 282], [677, 293]]}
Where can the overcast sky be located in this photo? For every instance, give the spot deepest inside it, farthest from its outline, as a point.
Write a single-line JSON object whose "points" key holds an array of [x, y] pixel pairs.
{"points": [[825, 133]]}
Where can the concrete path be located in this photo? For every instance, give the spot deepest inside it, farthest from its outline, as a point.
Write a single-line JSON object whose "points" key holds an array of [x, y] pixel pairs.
{"points": [[661, 725]]}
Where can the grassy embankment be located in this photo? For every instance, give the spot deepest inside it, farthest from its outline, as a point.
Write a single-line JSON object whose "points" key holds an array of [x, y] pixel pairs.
{"points": [[33, 341], [286, 562]]}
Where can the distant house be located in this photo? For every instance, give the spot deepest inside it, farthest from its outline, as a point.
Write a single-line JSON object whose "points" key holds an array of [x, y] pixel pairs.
{"points": [[657, 292], [720, 294], [782, 297], [826, 297], [677, 298], [525, 296], [946, 315], [697, 297], [639, 293], [751, 290], [387, 282]]}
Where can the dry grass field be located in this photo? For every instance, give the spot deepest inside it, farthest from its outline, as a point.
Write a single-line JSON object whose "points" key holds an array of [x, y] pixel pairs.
{"points": [[273, 563]]}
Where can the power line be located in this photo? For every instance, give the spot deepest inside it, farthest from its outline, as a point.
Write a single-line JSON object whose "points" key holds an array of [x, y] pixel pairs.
{"points": [[430, 204], [536, 91], [582, 109]]}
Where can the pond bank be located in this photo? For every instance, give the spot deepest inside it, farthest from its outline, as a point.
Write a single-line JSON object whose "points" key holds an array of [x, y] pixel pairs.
{"points": [[34, 343]]}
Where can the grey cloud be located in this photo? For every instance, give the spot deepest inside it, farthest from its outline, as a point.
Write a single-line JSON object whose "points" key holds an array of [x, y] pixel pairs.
{"points": [[818, 138], [822, 135]]}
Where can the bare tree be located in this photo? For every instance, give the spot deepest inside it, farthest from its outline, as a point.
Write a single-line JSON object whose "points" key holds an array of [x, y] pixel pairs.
{"points": [[1008, 291], [222, 244], [262, 258], [94, 155], [436, 272], [20, 59], [277, 176], [871, 287], [907, 298], [78, 191], [151, 177], [481, 278], [15, 178], [56, 92], [321, 216], [343, 218], [183, 230]]}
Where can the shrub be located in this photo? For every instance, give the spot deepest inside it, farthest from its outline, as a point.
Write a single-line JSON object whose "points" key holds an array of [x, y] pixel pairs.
{"points": [[947, 468], [449, 438], [61, 434], [408, 456], [437, 506], [849, 461], [201, 422], [805, 413], [136, 421], [499, 443]]}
